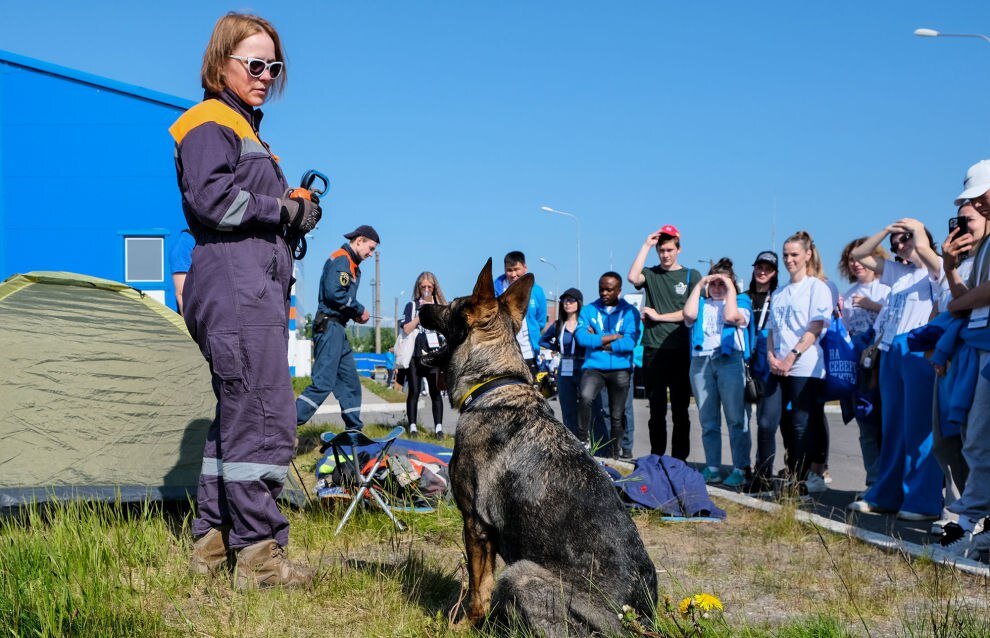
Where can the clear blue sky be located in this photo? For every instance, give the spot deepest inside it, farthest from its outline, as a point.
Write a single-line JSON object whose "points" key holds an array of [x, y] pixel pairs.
{"points": [[447, 125]]}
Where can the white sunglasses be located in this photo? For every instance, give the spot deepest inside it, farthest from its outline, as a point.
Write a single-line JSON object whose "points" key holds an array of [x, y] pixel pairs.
{"points": [[258, 67]]}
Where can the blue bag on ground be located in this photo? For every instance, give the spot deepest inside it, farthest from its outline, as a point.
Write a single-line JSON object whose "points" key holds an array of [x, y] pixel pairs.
{"points": [[674, 488], [841, 362]]}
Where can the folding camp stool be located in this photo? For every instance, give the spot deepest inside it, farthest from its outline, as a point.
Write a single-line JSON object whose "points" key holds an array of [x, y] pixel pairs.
{"points": [[344, 446]]}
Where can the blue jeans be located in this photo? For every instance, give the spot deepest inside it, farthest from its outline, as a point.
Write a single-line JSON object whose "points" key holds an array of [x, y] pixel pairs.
{"points": [[718, 382], [909, 478], [803, 439], [334, 371]]}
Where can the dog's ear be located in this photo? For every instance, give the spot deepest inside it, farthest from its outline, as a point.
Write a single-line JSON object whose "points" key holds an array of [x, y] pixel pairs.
{"points": [[515, 299], [484, 288]]}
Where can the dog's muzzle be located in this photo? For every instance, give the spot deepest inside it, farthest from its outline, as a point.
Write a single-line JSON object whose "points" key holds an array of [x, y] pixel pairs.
{"points": [[439, 358]]}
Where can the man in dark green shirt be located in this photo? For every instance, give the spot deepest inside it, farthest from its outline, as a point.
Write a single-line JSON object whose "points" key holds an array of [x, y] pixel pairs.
{"points": [[666, 340]]}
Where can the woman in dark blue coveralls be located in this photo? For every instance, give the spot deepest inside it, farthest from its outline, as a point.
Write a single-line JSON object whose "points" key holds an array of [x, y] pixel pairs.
{"points": [[236, 302]]}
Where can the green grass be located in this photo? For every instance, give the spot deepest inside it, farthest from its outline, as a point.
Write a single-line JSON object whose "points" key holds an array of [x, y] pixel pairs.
{"points": [[382, 390], [393, 396], [75, 569]]}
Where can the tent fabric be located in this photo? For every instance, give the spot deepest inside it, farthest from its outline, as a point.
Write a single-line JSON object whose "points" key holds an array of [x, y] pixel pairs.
{"points": [[104, 396]]}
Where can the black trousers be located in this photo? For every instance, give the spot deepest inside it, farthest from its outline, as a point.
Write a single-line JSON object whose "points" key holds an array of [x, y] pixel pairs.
{"points": [[669, 371], [415, 374], [617, 384]]}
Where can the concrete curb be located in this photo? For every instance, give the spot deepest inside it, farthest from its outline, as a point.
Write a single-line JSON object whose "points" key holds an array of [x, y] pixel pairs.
{"points": [[884, 542]]}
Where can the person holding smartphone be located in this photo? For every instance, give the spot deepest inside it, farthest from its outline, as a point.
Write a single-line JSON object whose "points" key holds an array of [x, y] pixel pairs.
{"points": [[970, 536], [426, 290], [966, 232]]}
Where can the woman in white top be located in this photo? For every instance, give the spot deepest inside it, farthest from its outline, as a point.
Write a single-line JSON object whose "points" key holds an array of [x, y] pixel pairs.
{"points": [[798, 315], [909, 480], [861, 305], [425, 291], [718, 316]]}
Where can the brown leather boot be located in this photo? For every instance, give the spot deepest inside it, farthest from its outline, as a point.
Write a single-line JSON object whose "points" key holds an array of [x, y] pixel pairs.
{"points": [[209, 553], [266, 564]]}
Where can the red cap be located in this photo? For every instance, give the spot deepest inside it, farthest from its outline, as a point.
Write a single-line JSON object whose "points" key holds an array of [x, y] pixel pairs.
{"points": [[671, 230]]}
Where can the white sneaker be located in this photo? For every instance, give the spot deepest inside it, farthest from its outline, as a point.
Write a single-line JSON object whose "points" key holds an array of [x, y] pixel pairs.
{"points": [[413, 432], [438, 431], [815, 483]]}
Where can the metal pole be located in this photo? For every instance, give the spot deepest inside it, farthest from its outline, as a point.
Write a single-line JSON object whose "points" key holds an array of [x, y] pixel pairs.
{"points": [[378, 303]]}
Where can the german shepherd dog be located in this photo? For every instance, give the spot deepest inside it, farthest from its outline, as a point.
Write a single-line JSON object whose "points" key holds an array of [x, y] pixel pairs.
{"points": [[527, 488]]}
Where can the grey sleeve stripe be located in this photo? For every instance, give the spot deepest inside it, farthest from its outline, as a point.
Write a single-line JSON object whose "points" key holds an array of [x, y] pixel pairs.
{"points": [[235, 214], [250, 146], [244, 471], [254, 472], [309, 401], [212, 467]]}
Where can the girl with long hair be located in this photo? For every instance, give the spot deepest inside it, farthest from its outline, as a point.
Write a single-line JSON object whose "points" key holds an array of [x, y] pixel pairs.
{"points": [[860, 305], [426, 290], [799, 313]]}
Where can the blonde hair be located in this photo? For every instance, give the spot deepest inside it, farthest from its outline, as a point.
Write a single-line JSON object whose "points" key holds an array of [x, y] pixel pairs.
{"points": [[429, 277], [879, 253], [228, 32], [814, 266]]}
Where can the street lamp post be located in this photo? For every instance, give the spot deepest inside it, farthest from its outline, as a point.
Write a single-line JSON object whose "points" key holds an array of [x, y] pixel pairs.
{"points": [[932, 33], [397, 297], [578, 222], [556, 292]]}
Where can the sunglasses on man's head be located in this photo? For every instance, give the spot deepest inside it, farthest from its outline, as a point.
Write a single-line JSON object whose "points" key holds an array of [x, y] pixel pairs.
{"points": [[258, 67]]}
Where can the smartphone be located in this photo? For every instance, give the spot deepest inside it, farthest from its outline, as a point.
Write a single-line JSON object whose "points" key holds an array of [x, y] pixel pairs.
{"points": [[962, 223]]}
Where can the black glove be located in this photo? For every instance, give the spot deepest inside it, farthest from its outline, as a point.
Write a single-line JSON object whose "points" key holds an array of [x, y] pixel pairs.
{"points": [[299, 214]]}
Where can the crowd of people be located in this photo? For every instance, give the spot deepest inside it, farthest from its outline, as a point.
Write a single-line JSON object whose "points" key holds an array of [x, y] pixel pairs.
{"points": [[914, 316]]}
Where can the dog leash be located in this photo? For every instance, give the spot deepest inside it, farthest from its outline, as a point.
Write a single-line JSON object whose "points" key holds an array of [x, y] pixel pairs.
{"points": [[479, 390]]}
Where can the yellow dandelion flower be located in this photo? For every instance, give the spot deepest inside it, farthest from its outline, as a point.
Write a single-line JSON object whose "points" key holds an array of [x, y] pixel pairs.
{"points": [[707, 602], [704, 602]]}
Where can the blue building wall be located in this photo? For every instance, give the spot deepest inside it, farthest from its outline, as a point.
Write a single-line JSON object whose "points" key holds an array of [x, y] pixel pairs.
{"points": [[85, 162]]}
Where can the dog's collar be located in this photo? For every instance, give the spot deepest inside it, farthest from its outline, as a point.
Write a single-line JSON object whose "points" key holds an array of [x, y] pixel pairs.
{"points": [[476, 392]]}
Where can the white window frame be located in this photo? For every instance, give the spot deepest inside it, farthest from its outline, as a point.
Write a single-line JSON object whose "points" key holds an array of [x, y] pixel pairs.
{"points": [[161, 245]]}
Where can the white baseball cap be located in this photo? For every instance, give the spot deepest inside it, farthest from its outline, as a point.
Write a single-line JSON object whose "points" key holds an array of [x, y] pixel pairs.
{"points": [[976, 183]]}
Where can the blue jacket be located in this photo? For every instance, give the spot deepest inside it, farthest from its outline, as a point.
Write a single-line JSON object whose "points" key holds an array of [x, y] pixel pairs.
{"points": [[624, 320], [339, 285], [536, 314], [949, 336], [728, 331]]}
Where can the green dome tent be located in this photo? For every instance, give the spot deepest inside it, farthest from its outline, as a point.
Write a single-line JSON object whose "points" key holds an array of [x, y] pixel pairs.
{"points": [[102, 393]]}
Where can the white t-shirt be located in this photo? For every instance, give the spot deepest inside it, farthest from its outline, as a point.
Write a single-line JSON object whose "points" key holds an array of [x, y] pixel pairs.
{"points": [[712, 319], [793, 308], [860, 320], [522, 337], [965, 268], [912, 296]]}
